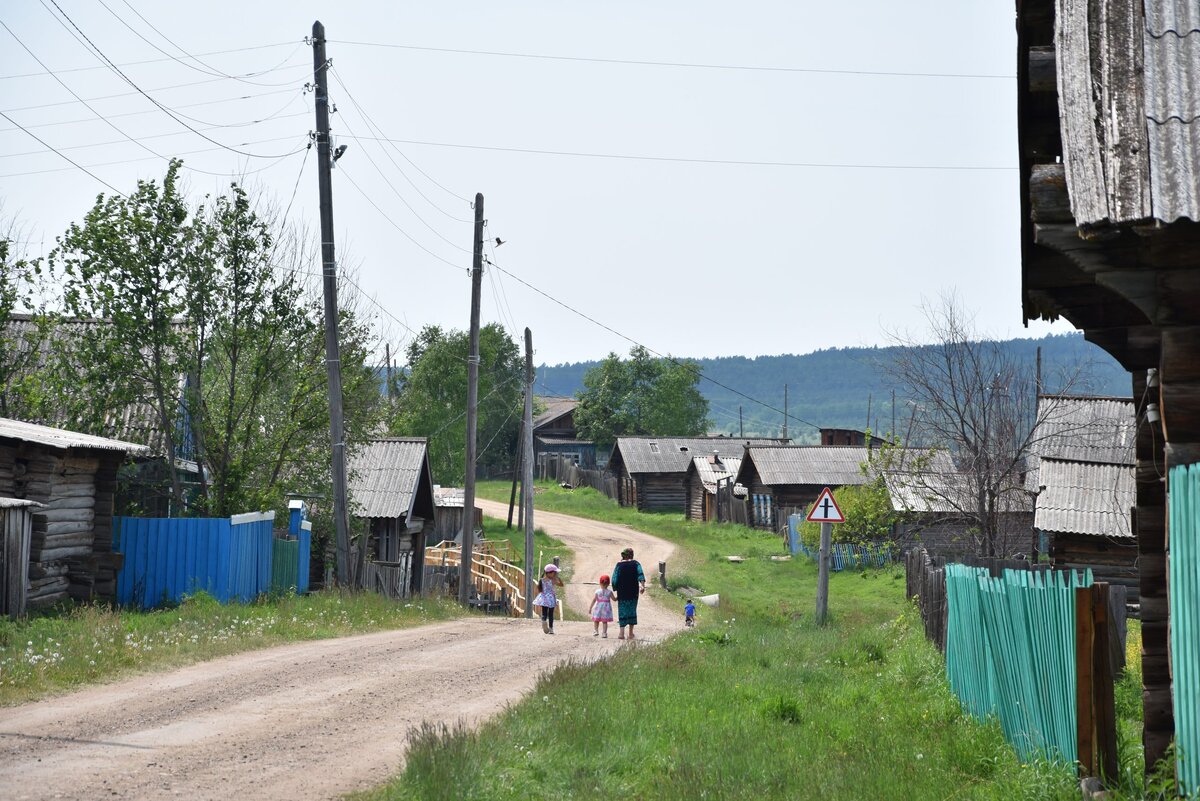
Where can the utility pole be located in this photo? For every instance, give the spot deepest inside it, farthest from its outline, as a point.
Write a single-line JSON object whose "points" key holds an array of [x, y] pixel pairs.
{"points": [[468, 530], [741, 428], [517, 472], [387, 386], [527, 472], [333, 364], [785, 400]]}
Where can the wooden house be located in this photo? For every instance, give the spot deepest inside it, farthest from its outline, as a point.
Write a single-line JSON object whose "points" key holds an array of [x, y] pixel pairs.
{"points": [[705, 475], [650, 471], [554, 433], [783, 479], [74, 477], [391, 500], [1108, 154], [1082, 471], [930, 503]]}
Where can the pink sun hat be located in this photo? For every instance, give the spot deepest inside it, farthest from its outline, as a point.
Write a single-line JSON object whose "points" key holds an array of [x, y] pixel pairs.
{"points": [[550, 568]]}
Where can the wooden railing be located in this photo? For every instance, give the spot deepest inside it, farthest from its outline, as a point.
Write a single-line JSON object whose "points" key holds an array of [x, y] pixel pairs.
{"points": [[490, 574]]}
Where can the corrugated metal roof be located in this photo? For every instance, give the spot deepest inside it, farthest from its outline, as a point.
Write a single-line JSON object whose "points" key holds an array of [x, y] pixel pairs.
{"points": [[60, 438], [384, 475], [1171, 55], [555, 407], [1079, 498], [944, 492], [1084, 429], [808, 464], [709, 472], [674, 454]]}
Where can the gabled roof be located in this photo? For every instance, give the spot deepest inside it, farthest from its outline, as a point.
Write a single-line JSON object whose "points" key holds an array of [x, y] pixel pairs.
{"points": [[1085, 429], [674, 454], [781, 465], [1081, 498], [390, 478], [555, 408], [942, 490], [62, 439], [709, 473]]}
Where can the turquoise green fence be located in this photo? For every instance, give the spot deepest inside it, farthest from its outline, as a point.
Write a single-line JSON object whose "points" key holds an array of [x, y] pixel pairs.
{"points": [[1010, 652], [1184, 585]]}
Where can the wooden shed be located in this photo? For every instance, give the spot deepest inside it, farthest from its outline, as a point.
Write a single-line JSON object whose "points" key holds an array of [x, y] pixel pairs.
{"points": [[783, 479], [1108, 124], [74, 477], [650, 471], [391, 501], [704, 476]]}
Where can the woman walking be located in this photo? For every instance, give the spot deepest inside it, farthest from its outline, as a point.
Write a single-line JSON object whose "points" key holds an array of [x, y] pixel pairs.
{"points": [[629, 582]]}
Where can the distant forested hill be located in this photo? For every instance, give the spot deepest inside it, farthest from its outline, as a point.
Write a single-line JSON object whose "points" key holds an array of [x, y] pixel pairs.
{"points": [[833, 388]]}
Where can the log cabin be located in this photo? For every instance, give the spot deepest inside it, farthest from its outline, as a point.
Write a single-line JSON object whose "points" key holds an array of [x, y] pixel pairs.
{"points": [[390, 488], [74, 478], [1108, 153], [650, 470], [554, 433], [704, 475], [782, 479]]}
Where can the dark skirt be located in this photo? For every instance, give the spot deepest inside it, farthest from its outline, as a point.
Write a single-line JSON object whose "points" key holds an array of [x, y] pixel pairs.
{"points": [[627, 612]]}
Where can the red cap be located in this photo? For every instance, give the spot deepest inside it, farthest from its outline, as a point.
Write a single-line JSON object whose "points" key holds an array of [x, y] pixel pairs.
{"points": [[604, 579]]}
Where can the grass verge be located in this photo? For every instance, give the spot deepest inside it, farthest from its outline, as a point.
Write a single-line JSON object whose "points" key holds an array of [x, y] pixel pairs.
{"points": [[755, 703], [90, 644]]}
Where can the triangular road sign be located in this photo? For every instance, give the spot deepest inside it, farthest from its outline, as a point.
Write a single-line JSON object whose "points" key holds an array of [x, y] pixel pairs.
{"points": [[826, 510]]}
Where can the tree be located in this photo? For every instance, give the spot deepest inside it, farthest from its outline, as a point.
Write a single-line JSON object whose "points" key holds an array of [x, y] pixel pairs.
{"points": [[971, 396], [868, 512], [432, 400], [642, 395], [21, 335]]}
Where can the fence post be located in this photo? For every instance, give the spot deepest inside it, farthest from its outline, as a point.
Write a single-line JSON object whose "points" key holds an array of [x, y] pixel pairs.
{"points": [[1102, 678], [1084, 721], [662, 574]]}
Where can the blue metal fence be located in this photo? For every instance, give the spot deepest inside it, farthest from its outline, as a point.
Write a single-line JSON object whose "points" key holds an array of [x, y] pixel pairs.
{"points": [[1184, 588], [842, 555], [168, 558]]}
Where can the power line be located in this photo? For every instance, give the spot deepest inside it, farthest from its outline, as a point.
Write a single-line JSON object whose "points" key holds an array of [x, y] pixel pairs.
{"points": [[63, 156], [679, 64], [156, 89], [694, 368], [686, 160], [160, 60], [163, 108], [379, 132]]}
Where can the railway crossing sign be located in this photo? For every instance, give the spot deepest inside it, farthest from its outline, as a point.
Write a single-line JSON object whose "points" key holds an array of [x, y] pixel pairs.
{"points": [[826, 510]]}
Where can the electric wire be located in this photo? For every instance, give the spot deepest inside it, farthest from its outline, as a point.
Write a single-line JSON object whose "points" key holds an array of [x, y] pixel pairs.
{"points": [[291, 87], [691, 367], [160, 60], [730, 162], [394, 224], [63, 156], [371, 124], [677, 64], [163, 108]]}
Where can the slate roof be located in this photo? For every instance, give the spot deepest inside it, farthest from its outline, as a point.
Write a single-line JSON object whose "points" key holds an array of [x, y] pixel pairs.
{"points": [[1081, 498], [674, 454], [384, 476], [62, 439], [806, 464], [555, 407], [1098, 430], [1141, 158], [709, 472], [449, 497], [941, 491]]}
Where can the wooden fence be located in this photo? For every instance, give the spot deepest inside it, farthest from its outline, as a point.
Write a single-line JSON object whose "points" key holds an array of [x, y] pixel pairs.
{"points": [[564, 471], [495, 581], [16, 531], [925, 582]]}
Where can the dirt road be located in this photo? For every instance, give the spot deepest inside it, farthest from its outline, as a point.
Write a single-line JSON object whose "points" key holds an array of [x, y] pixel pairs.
{"points": [[311, 720]]}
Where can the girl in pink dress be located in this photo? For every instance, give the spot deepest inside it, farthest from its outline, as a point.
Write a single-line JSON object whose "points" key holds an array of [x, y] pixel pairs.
{"points": [[601, 608]]}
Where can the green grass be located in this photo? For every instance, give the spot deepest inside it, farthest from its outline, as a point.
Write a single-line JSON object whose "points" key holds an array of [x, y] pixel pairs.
{"points": [[90, 644], [756, 703]]}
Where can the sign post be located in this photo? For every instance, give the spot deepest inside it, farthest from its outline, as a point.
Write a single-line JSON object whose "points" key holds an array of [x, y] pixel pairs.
{"points": [[826, 512]]}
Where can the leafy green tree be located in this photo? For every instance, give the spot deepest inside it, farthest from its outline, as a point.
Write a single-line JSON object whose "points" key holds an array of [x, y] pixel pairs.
{"points": [[21, 335], [868, 512], [641, 395], [432, 399]]}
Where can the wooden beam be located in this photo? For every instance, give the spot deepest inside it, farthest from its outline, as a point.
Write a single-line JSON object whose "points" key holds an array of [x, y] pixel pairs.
{"points": [[1043, 74], [1048, 198]]}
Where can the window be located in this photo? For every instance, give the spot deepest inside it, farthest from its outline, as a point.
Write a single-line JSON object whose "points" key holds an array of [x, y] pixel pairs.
{"points": [[653, 449]]}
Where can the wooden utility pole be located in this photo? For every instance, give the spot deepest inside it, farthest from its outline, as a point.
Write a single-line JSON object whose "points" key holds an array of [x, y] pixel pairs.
{"points": [[517, 471], [387, 376], [741, 428], [468, 529], [785, 400], [527, 473], [333, 364]]}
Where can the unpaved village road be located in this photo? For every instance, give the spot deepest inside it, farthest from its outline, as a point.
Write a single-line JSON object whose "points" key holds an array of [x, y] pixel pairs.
{"points": [[312, 720]]}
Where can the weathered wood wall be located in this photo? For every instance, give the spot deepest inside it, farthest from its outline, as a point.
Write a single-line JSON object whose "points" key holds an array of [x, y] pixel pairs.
{"points": [[660, 492], [694, 489], [16, 528], [1110, 560]]}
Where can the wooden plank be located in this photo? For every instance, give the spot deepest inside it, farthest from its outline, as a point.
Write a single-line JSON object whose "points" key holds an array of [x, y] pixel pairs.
{"points": [[1105, 710], [1080, 138], [1085, 714], [1127, 167], [1048, 198]]}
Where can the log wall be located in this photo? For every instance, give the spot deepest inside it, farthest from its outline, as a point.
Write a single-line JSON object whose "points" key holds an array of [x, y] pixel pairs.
{"points": [[658, 492]]}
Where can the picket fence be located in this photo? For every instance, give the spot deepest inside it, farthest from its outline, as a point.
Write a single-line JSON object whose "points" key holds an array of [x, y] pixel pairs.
{"points": [[1184, 588], [842, 555], [233, 559]]}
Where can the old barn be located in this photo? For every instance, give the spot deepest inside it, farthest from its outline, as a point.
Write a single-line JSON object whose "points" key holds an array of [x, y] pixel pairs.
{"points": [[74, 477], [650, 471]]}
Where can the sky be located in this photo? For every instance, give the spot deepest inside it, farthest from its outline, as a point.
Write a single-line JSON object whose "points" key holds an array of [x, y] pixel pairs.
{"points": [[781, 178]]}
